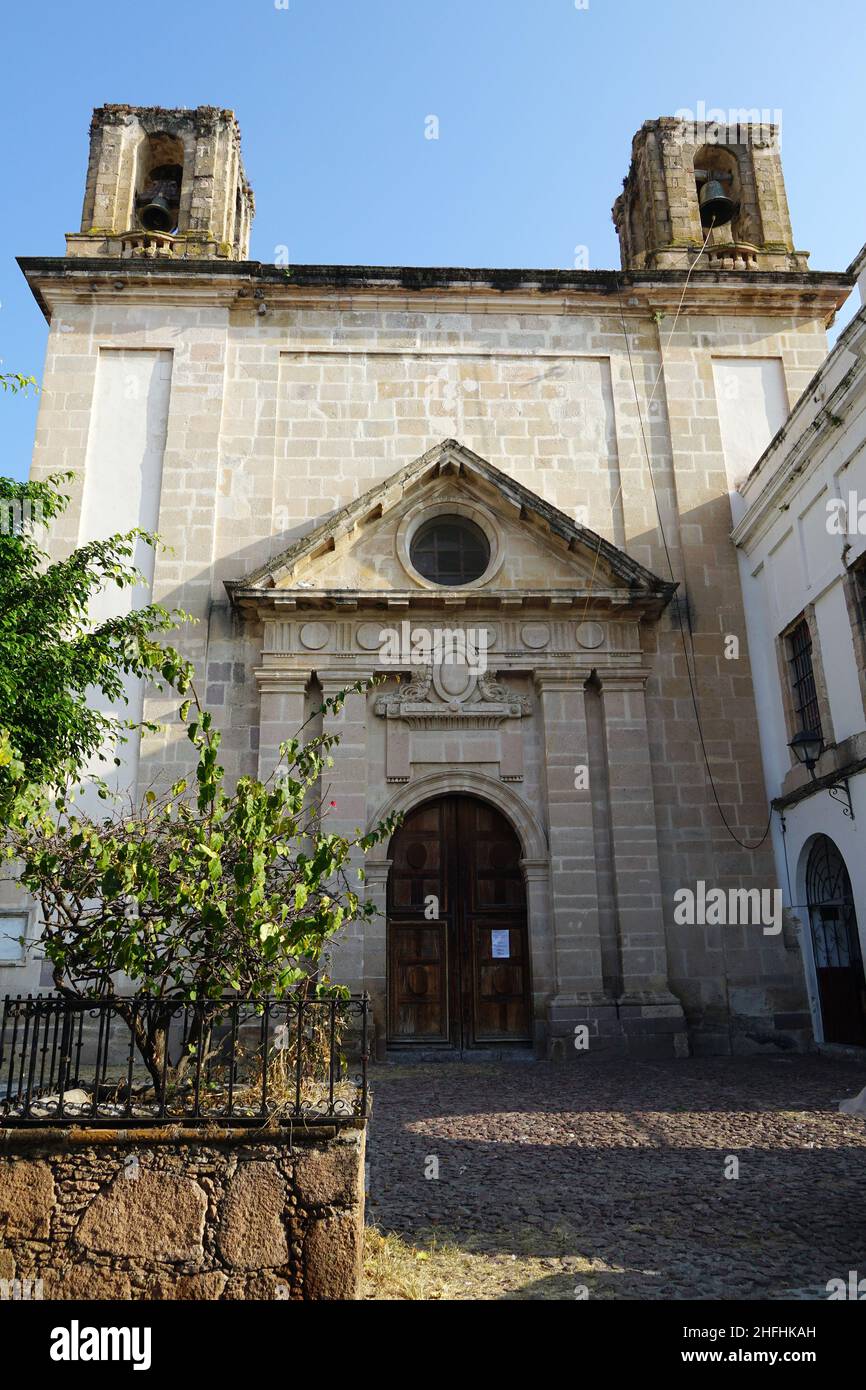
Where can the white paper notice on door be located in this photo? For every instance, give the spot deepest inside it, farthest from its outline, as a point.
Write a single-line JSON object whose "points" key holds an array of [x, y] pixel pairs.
{"points": [[500, 945]]}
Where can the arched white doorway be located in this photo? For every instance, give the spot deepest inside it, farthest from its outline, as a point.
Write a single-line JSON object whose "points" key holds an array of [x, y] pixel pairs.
{"points": [[835, 943]]}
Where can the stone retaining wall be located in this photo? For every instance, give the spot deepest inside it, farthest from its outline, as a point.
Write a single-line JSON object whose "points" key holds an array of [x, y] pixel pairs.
{"points": [[182, 1213]]}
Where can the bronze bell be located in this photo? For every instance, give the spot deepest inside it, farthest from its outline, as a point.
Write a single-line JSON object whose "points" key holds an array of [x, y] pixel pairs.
{"points": [[716, 207], [157, 216]]}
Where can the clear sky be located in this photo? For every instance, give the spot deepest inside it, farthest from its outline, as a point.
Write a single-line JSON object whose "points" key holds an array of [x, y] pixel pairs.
{"points": [[536, 106]]}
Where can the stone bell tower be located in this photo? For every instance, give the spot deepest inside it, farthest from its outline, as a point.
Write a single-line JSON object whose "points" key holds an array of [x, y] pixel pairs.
{"points": [[167, 183], [684, 172]]}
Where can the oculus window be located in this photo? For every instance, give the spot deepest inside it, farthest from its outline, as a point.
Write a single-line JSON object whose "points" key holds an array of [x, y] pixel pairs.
{"points": [[450, 550]]}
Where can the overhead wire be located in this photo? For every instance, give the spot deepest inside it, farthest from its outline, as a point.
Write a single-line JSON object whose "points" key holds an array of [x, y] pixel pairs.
{"points": [[678, 609]]}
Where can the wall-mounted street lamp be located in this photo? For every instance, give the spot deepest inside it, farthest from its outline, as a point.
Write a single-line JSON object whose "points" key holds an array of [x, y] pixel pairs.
{"points": [[807, 747]]}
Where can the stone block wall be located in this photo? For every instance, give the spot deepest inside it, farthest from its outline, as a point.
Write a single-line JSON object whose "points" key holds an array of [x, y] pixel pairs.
{"points": [[183, 1214], [278, 419]]}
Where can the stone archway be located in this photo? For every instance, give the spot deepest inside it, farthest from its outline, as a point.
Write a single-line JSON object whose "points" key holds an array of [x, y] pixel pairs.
{"points": [[458, 954], [534, 865], [456, 781]]}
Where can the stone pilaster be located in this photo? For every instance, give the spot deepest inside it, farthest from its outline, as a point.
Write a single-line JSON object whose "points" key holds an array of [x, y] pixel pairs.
{"points": [[282, 697], [542, 956], [345, 784], [646, 996], [573, 887], [376, 950]]}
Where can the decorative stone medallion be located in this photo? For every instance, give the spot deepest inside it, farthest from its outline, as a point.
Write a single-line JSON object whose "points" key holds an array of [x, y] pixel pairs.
{"points": [[453, 680], [369, 636], [535, 635], [589, 634], [314, 636]]}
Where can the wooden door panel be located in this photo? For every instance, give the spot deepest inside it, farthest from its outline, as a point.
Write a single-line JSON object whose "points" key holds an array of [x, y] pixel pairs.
{"points": [[501, 982], [496, 986], [495, 880], [419, 871], [418, 981]]}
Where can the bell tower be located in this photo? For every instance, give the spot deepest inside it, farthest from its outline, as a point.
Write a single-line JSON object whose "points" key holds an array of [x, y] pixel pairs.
{"points": [[690, 181], [163, 183]]}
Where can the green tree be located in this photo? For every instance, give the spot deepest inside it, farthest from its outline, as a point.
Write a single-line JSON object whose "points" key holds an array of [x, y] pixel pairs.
{"points": [[199, 892], [15, 382], [53, 656]]}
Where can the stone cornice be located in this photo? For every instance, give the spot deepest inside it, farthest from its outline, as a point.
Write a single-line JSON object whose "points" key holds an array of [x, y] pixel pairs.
{"points": [[612, 678], [623, 680], [250, 285], [581, 603]]}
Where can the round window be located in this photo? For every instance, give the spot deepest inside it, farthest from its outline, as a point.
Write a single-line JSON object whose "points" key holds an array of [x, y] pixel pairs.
{"points": [[450, 550]]}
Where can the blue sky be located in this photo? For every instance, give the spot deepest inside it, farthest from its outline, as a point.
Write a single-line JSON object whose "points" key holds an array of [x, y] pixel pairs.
{"points": [[536, 103]]}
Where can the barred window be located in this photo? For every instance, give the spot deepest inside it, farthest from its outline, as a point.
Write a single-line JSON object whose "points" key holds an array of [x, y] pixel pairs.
{"points": [[807, 716], [450, 550]]}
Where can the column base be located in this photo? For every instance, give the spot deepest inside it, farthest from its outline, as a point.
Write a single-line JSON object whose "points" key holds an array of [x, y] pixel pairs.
{"points": [[647, 1024]]}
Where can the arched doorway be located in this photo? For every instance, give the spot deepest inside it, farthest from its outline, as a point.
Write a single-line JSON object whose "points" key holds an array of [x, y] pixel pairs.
{"points": [[458, 958], [836, 945]]}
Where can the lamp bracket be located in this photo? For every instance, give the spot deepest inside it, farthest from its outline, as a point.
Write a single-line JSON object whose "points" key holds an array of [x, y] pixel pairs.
{"points": [[841, 792]]}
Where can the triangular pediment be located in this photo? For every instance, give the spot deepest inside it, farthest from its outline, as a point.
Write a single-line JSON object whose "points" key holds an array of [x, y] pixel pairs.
{"points": [[361, 551]]}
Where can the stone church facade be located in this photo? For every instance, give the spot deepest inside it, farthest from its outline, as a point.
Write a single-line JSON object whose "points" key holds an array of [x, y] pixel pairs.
{"points": [[541, 462]]}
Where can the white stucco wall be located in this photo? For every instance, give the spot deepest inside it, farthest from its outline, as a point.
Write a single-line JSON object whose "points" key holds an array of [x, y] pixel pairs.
{"points": [[790, 558]]}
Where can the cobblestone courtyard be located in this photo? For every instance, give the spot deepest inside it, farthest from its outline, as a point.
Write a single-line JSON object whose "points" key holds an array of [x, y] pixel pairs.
{"points": [[610, 1177]]}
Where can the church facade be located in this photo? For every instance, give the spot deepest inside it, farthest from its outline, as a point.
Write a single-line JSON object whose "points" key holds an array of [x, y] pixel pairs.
{"points": [[509, 495]]}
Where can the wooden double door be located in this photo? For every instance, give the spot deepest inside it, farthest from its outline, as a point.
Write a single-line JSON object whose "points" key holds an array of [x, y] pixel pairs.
{"points": [[458, 957]]}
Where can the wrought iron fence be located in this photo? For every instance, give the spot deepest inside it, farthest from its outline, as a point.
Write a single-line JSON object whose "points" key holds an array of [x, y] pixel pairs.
{"points": [[145, 1061]]}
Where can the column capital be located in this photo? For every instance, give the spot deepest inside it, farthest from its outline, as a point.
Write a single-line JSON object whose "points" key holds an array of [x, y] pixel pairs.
{"points": [[271, 681], [624, 680], [377, 873], [560, 678], [334, 678]]}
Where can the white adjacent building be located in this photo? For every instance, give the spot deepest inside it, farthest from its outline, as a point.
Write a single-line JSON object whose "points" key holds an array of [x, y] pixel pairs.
{"points": [[802, 546]]}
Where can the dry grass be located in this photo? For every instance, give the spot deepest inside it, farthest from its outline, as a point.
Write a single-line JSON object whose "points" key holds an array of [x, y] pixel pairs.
{"points": [[282, 1093], [394, 1269], [441, 1270]]}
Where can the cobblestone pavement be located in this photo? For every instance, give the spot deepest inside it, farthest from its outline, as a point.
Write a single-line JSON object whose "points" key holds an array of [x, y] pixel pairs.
{"points": [[611, 1176]]}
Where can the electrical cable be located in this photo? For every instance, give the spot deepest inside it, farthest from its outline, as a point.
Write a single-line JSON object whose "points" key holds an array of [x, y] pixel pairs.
{"points": [[692, 687]]}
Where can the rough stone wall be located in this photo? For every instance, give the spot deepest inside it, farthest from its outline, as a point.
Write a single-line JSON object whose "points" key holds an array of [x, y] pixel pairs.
{"points": [[657, 216], [110, 1214], [217, 204]]}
